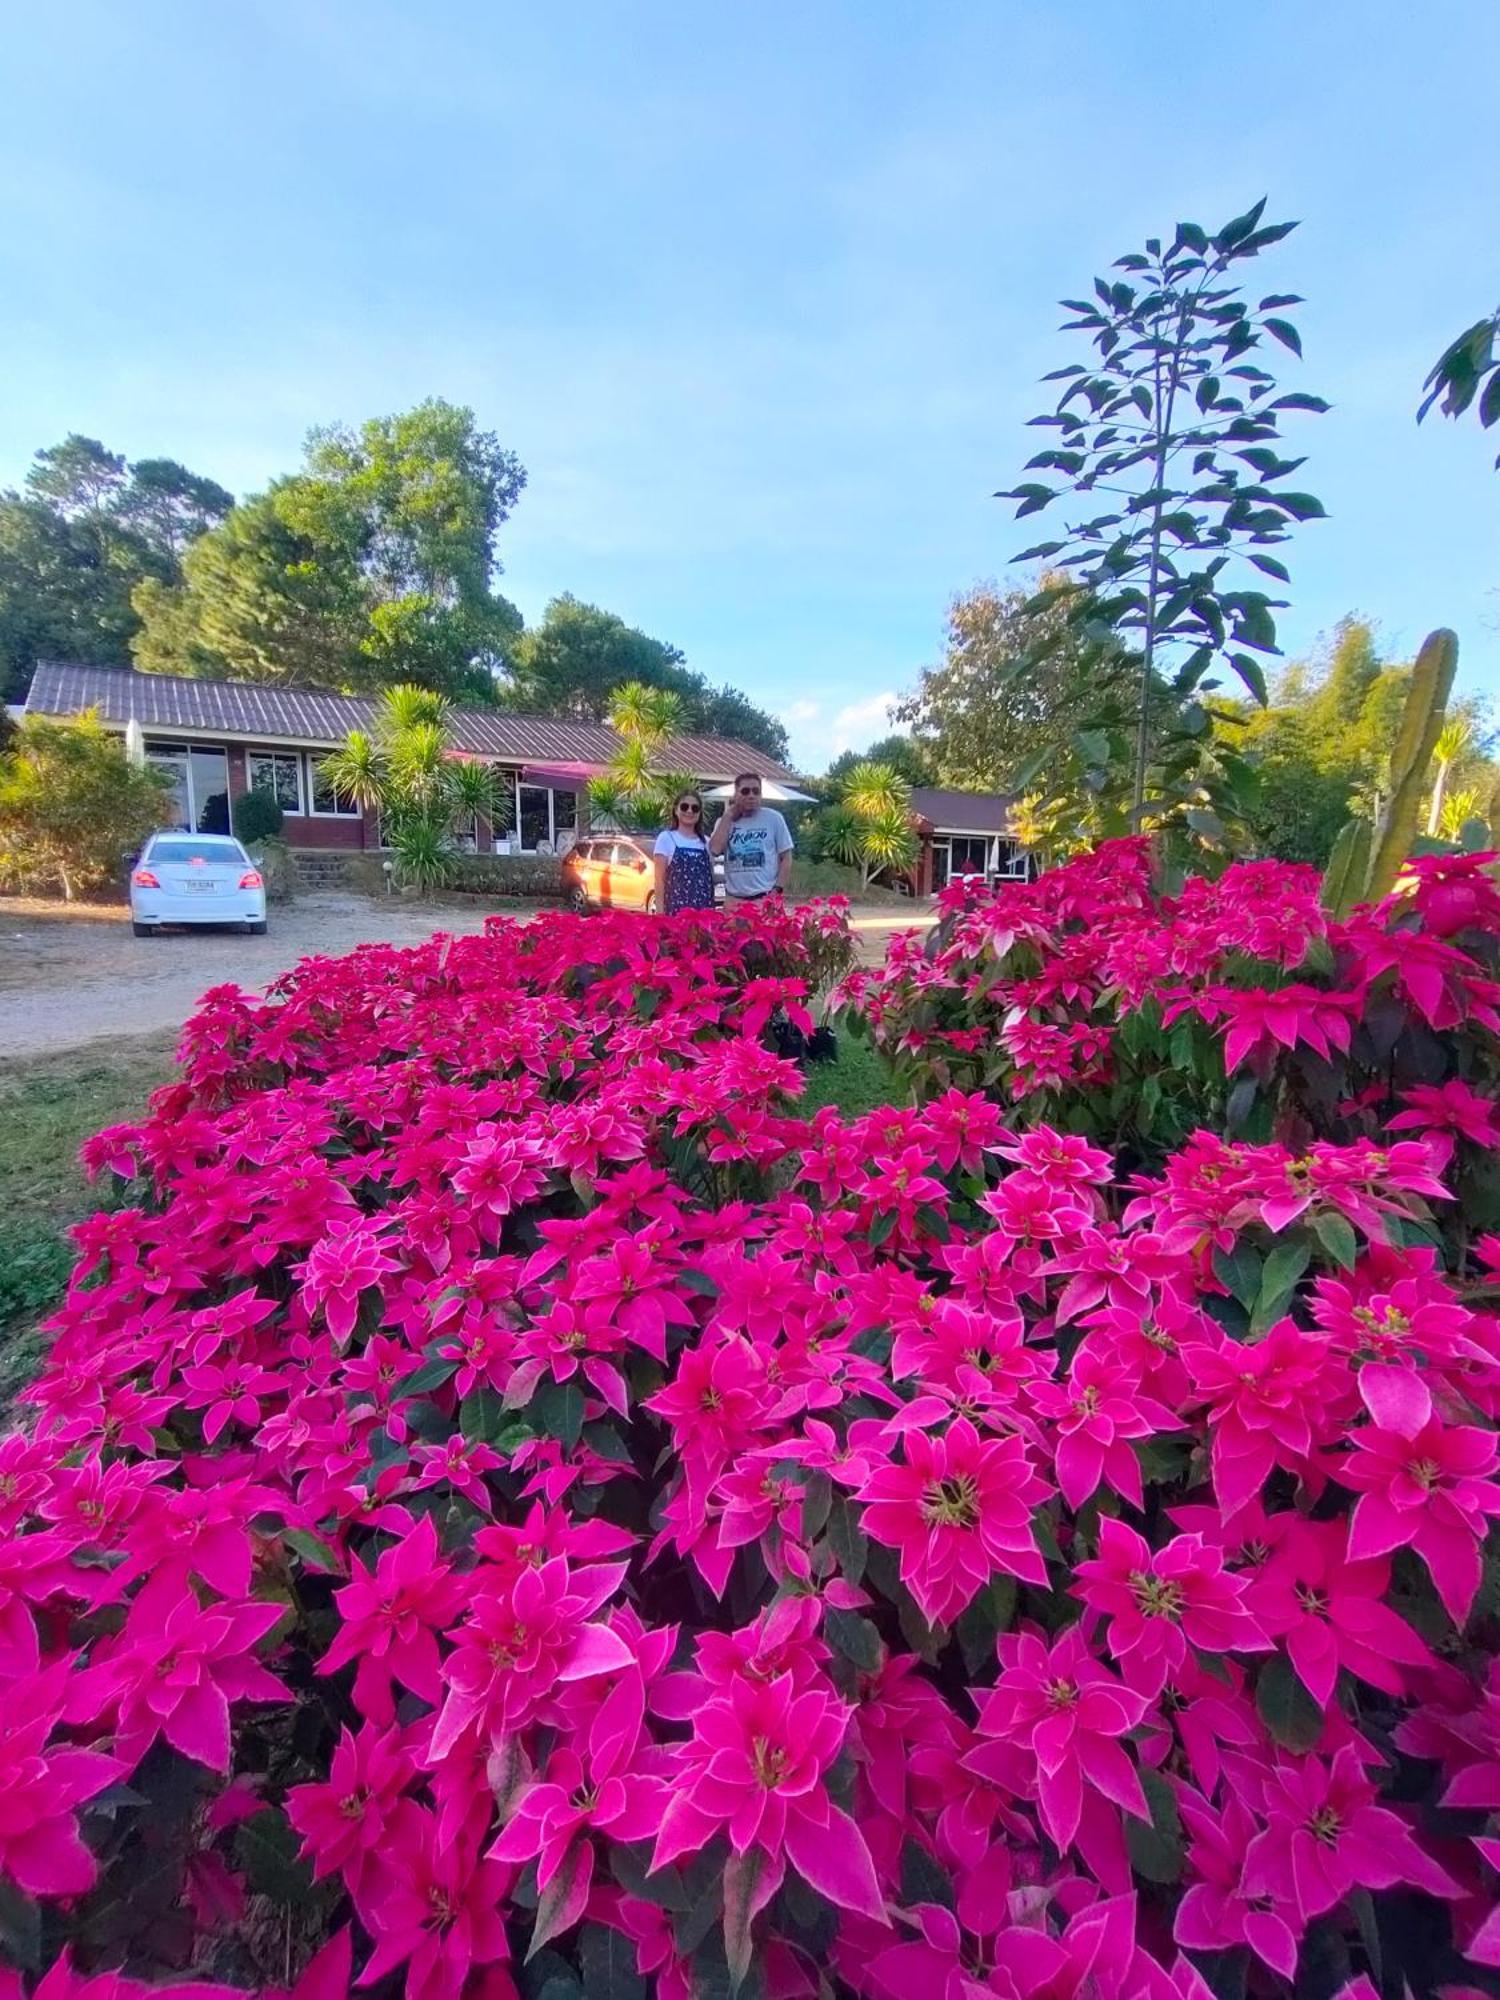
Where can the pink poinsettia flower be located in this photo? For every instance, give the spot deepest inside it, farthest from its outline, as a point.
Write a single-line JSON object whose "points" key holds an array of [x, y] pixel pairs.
{"points": [[524, 1634], [1329, 1612], [435, 1908], [1268, 1404], [1160, 1603], [42, 1785], [345, 1823], [1066, 1710], [1098, 1412], [339, 1268], [1434, 1492], [1449, 1107], [957, 1511], [389, 1620], [613, 1784], [1215, 1914], [1261, 1021], [1325, 1836], [754, 1771], [174, 1671]]}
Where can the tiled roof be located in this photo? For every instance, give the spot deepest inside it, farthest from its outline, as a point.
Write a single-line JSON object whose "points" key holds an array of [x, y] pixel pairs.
{"points": [[962, 812], [253, 712]]}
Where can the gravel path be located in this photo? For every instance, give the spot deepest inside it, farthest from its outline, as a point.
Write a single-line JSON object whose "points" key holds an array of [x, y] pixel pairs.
{"points": [[69, 978]]}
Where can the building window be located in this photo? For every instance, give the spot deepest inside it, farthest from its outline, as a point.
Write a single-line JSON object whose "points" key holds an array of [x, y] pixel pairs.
{"points": [[278, 772], [326, 802], [971, 855], [538, 819]]}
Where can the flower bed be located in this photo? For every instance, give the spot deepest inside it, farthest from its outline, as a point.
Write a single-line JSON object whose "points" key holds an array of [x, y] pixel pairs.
{"points": [[513, 1509]]}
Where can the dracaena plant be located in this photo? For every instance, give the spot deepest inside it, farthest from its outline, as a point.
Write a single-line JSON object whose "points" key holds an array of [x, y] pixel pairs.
{"points": [[1169, 462]]}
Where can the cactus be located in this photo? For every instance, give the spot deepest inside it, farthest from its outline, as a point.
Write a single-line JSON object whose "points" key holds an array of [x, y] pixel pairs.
{"points": [[1366, 860], [1348, 868], [1421, 724]]}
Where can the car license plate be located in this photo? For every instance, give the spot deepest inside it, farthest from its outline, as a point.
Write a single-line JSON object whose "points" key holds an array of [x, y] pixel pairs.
{"points": [[203, 888]]}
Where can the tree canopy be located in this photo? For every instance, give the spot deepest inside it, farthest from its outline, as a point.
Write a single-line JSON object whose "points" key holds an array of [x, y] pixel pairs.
{"points": [[372, 564], [88, 530], [987, 708], [573, 662]]}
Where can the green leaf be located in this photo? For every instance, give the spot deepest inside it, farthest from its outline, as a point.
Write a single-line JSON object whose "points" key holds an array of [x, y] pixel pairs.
{"points": [[1286, 1707], [924, 1879], [266, 1849], [20, 1926], [665, 1888], [1156, 1849], [314, 1551], [557, 1408], [1240, 1270], [847, 1539], [698, 1281], [1337, 1237], [608, 1961], [606, 1441], [983, 1619], [1301, 506], [855, 1637], [742, 1873], [1284, 1265], [1285, 332], [431, 1375], [482, 1415]]}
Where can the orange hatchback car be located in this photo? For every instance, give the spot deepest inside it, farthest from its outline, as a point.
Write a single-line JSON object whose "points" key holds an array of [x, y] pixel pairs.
{"points": [[617, 871], [611, 872]]}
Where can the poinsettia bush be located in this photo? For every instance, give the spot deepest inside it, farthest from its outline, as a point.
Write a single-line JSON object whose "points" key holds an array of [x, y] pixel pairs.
{"points": [[1096, 1000], [514, 1508]]}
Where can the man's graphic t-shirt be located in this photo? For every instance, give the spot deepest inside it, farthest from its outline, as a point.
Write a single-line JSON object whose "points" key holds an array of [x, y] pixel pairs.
{"points": [[756, 845]]}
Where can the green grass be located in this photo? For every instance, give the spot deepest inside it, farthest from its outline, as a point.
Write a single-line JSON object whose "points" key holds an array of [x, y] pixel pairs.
{"points": [[48, 1106], [831, 878], [858, 1082]]}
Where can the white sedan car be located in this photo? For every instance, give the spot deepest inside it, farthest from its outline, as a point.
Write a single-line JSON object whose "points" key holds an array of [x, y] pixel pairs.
{"points": [[195, 878]]}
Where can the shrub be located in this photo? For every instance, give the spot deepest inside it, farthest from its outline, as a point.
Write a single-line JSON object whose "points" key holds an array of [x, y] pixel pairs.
{"points": [[509, 1504], [71, 804], [257, 815]]}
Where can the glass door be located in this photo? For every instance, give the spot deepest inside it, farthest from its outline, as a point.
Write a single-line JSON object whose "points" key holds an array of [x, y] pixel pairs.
{"points": [[173, 765], [208, 778]]}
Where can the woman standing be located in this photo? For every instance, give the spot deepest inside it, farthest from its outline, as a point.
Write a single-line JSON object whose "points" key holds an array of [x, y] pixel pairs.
{"points": [[684, 867]]}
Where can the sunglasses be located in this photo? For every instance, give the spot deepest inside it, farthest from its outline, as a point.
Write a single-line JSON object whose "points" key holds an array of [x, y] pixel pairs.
{"points": [[749, 791], [688, 806]]}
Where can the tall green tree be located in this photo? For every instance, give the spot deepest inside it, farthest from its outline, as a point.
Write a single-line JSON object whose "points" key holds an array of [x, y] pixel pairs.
{"points": [[85, 532], [573, 662], [1168, 449], [899, 752], [373, 565], [1019, 673]]}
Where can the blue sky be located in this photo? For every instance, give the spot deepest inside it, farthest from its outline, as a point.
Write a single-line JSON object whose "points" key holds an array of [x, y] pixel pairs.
{"points": [[759, 294]]}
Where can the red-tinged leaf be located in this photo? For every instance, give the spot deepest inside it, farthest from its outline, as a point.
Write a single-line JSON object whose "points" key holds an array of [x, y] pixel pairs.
{"points": [[742, 1873], [565, 1897]]}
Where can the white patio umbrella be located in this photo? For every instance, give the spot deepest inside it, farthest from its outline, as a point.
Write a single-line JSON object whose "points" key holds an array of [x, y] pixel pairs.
{"points": [[770, 791]]}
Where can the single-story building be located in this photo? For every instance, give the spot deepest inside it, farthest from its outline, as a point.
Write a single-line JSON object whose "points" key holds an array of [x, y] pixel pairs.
{"points": [[964, 834], [217, 739]]}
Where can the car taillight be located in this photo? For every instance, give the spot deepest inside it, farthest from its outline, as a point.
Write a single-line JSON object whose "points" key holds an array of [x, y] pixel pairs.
{"points": [[144, 879], [196, 861], [250, 879]]}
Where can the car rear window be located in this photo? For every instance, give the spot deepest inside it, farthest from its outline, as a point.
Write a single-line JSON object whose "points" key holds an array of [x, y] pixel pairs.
{"points": [[225, 852]]}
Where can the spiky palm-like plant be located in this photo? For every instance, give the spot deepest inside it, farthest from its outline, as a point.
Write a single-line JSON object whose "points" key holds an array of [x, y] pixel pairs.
{"points": [[1454, 738], [359, 772], [874, 790], [887, 840]]}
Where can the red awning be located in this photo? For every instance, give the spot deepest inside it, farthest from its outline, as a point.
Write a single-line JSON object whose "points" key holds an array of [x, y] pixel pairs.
{"points": [[561, 777]]}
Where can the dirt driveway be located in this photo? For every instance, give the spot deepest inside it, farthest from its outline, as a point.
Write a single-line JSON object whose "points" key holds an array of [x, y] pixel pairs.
{"points": [[69, 978]]}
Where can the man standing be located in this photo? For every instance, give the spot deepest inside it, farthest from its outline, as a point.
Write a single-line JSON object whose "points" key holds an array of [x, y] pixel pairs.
{"points": [[756, 845]]}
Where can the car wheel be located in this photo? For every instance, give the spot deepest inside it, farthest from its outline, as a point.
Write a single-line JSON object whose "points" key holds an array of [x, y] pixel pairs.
{"points": [[578, 900], [145, 930], [256, 930], [651, 904]]}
